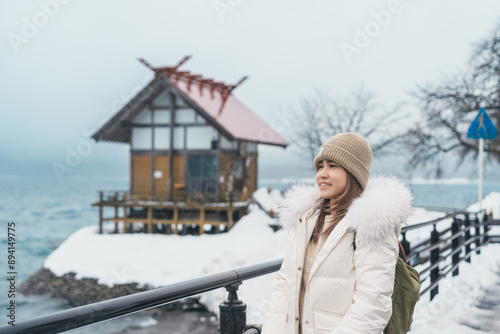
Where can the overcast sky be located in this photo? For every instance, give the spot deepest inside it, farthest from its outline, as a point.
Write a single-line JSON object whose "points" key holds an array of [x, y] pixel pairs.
{"points": [[69, 65]]}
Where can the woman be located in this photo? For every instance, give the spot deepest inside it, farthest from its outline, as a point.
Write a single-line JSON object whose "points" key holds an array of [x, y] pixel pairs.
{"points": [[338, 276]]}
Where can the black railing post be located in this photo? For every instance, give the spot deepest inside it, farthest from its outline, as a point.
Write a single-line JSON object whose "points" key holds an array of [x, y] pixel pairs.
{"points": [[486, 227], [232, 312], [455, 244], [477, 232], [405, 243], [467, 237], [434, 259]]}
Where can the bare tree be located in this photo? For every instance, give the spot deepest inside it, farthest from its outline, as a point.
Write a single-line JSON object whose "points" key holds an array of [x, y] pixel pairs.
{"points": [[321, 117], [449, 108]]}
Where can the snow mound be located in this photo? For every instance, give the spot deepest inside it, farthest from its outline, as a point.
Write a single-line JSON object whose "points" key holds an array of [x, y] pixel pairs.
{"points": [[467, 303], [267, 200], [157, 260], [491, 203]]}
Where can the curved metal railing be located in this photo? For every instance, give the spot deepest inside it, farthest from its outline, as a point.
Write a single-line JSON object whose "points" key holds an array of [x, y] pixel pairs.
{"points": [[110, 309]]}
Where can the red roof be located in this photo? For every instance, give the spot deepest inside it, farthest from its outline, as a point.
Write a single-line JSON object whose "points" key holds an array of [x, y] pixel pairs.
{"points": [[218, 102]]}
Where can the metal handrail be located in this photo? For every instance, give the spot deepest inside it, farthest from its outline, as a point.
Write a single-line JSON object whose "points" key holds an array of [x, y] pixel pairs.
{"points": [[253, 329], [443, 275], [113, 308], [432, 222], [416, 249]]}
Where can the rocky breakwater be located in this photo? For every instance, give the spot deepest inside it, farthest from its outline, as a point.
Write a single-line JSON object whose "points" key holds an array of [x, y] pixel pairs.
{"points": [[78, 292], [185, 316]]}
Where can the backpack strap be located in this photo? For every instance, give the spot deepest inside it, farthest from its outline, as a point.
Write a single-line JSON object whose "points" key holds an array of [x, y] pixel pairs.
{"points": [[401, 249]]}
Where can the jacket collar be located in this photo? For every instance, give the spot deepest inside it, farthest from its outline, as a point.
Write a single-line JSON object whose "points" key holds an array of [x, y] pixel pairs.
{"points": [[383, 206]]}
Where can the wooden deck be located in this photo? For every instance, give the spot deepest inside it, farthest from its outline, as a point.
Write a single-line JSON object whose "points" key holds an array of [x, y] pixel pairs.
{"points": [[166, 216]]}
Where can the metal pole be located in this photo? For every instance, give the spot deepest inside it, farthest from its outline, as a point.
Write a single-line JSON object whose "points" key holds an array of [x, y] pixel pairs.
{"points": [[480, 186]]}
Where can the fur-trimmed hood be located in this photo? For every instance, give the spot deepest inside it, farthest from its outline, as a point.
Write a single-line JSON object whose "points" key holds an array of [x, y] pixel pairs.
{"points": [[383, 206]]}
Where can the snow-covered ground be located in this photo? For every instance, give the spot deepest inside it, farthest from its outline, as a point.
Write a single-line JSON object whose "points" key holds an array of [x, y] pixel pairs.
{"points": [[158, 260]]}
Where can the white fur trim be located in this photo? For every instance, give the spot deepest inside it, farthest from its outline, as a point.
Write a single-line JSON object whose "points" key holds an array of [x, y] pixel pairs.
{"points": [[383, 206], [297, 200]]}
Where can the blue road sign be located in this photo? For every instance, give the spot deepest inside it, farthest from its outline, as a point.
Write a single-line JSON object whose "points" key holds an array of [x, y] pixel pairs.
{"points": [[482, 127]]}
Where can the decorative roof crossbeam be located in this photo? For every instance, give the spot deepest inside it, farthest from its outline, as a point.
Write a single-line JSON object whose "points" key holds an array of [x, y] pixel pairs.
{"points": [[172, 73]]}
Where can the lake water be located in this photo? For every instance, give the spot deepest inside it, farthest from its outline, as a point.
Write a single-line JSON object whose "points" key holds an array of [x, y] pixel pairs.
{"points": [[46, 213]]}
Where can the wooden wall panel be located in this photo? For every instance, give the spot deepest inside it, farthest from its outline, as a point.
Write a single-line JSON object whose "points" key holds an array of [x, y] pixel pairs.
{"points": [[141, 175], [226, 168], [251, 172], [161, 184], [178, 169]]}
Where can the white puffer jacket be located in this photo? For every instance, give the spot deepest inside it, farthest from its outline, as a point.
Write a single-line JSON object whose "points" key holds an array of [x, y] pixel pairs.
{"points": [[349, 292]]}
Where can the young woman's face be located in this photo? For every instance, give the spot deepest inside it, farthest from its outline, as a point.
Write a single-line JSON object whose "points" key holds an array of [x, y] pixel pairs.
{"points": [[331, 179]]}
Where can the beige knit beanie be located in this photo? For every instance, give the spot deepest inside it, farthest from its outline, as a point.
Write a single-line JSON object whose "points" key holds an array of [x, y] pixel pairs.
{"points": [[351, 151]]}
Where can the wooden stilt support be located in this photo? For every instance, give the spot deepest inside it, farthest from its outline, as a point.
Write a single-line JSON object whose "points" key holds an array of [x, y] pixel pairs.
{"points": [[116, 216], [100, 212], [115, 199], [202, 219], [150, 218], [176, 219], [230, 222], [125, 217]]}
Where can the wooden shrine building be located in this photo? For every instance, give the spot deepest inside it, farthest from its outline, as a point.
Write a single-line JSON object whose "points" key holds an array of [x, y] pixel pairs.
{"points": [[193, 148]]}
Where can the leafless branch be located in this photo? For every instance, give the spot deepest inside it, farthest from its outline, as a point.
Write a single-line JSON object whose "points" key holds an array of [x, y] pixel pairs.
{"points": [[322, 116], [448, 109]]}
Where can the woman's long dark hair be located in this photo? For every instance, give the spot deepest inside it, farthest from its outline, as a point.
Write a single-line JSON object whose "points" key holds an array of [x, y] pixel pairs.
{"points": [[338, 207]]}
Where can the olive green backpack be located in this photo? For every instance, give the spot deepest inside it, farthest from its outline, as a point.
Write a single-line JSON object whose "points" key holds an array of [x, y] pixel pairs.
{"points": [[404, 296]]}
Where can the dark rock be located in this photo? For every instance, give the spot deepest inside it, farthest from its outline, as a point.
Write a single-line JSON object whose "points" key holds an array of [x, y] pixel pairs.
{"points": [[78, 292]]}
